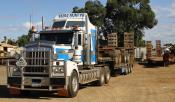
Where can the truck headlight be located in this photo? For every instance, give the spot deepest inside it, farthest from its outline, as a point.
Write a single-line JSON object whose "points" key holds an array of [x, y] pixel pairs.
{"points": [[57, 70], [55, 56], [16, 71]]}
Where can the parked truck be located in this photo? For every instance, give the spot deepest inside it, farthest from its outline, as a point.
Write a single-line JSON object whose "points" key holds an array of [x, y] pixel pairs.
{"points": [[65, 56]]}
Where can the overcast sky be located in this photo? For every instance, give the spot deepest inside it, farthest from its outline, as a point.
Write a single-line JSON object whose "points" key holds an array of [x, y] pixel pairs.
{"points": [[15, 14]]}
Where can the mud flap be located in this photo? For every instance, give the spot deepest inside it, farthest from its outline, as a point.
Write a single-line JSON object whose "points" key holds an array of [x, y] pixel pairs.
{"points": [[14, 91], [63, 92]]}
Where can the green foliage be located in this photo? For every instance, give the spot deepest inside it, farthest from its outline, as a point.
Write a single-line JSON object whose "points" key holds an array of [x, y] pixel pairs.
{"points": [[9, 41], [22, 40], [96, 12], [121, 16], [12, 42], [129, 16]]}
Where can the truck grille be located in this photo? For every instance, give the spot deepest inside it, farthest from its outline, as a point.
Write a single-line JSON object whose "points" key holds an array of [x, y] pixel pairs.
{"points": [[38, 61], [37, 58]]}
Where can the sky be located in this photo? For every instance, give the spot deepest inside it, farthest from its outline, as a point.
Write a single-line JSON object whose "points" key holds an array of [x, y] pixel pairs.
{"points": [[165, 29], [15, 16]]}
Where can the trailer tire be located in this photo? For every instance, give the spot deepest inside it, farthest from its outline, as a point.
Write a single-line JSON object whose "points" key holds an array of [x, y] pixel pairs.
{"points": [[125, 71], [101, 80], [107, 74], [73, 86], [129, 69]]}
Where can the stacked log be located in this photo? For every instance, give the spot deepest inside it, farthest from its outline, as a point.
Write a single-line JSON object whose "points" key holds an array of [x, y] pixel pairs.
{"points": [[158, 48], [148, 49], [112, 40]]}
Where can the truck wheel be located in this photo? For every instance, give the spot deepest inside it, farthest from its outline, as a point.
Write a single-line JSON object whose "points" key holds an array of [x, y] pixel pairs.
{"points": [[129, 69], [107, 74], [73, 86], [101, 80], [125, 71]]}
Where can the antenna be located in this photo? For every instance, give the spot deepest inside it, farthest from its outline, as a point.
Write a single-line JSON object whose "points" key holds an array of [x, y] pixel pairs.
{"points": [[42, 23], [30, 21]]}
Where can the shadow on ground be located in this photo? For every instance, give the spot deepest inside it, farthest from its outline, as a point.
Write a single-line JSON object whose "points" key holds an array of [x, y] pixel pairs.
{"points": [[36, 94], [155, 64], [31, 95]]}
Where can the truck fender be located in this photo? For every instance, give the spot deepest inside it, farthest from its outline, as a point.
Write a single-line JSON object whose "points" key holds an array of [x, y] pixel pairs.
{"points": [[70, 67]]}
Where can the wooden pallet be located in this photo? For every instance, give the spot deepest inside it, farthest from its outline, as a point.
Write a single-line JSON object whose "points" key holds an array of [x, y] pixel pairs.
{"points": [[128, 40], [112, 40]]}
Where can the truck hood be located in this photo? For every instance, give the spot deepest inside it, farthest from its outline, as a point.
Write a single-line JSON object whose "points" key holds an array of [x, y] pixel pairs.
{"points": [[64, 53], [40, 44]]}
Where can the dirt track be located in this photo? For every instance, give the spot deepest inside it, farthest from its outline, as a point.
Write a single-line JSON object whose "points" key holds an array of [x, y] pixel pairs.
{"points": [[155, 84]]}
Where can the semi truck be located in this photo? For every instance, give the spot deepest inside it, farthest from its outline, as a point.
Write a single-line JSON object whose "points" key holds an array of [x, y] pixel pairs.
{"points": [[67, 55]]}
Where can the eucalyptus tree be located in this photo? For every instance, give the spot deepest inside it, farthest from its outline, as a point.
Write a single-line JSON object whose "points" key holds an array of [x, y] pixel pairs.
{"points": [[129, 16], [96, 12]]}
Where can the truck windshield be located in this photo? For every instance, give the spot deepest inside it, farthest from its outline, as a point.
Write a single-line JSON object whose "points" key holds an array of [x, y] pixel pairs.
{"points": [[75, 23], [58, 24], [63, 38]]}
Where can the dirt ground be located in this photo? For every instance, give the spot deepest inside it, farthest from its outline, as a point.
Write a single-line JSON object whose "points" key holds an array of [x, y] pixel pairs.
{"points": [[145, 84]]}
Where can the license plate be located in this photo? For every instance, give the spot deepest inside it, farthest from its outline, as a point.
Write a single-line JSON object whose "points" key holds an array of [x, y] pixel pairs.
{"points": [[36, 82], [36, 85]]}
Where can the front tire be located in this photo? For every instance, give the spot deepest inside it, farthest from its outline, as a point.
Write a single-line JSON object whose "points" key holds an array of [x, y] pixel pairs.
{"points": [[101, 80], [73, 86]]}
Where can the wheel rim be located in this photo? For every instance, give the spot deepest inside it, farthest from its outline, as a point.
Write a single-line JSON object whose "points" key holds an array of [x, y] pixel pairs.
{"points": [[108, 76], [102, 78], [74, 84]]}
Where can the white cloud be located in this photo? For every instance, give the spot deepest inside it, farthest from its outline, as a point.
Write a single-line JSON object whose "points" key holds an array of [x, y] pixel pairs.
{"points": [[171, 10], [167, 11], [163, 32], [14, 31], [27, 25]]}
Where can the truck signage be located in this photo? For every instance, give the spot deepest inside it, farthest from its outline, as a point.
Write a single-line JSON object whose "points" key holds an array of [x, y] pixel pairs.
{"points": [[21, 62], [70, 15]]}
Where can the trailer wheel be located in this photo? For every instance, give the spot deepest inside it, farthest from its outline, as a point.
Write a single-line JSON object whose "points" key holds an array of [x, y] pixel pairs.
{"points": [[125, 71], [107, 74], [101, 80], [129, 69], [73, 86]]}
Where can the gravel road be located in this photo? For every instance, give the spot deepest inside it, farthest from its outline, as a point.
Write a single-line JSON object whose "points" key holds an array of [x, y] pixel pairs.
{"points": [[145, 84]]}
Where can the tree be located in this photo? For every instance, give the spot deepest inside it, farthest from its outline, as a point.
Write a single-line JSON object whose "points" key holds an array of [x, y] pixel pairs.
{"points": [[129, 16], [78, 10], [9, 41], [96, 12], [22, 40], [12, 42]]}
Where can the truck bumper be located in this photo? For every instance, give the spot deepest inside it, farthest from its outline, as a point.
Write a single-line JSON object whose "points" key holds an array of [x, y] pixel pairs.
{"points": [[37, 83]]}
